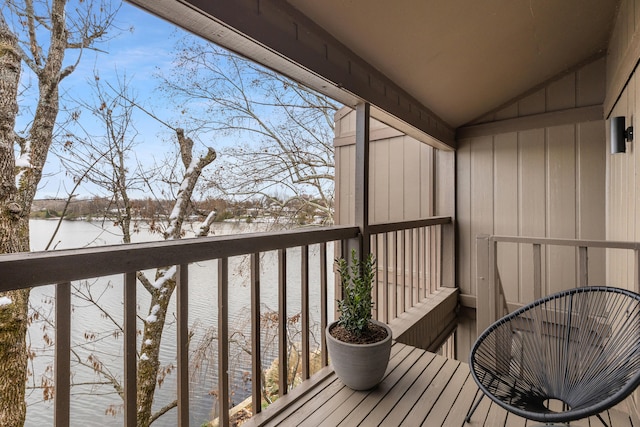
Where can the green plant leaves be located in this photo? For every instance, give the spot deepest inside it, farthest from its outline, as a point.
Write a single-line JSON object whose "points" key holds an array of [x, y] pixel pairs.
{"points": [[357, 284]]}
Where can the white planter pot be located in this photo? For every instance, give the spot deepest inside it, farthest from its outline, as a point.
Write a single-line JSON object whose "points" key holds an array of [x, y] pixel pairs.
{"points": [[359, 366]]}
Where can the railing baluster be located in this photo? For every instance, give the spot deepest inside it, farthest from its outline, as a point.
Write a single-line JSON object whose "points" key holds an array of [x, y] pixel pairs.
{"points": [[583, 266], [434, 256], [412, 288], [324, 310], [495, 305], [130, 360], [223, 341], [636, 270], [394, 295], [537, 271], [404, 269], [256, 353], [62, 354], [304, 308], [419, 244], [282, 323], [448, 255], [182, 308], [376, 312], [434, 250], [385, 279]]}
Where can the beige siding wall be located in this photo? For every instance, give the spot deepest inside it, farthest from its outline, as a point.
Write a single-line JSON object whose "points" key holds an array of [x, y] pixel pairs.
{"points": [[623, 99], [536, 168], [623, 182], [541, 181], [402, 175]]}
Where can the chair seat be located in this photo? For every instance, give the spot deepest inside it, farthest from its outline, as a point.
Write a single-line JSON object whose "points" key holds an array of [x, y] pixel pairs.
{"points": [[564, 357]]}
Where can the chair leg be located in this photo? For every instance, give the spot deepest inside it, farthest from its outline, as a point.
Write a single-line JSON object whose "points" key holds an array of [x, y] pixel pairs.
{"points": [[476, 402], [602, 420]]}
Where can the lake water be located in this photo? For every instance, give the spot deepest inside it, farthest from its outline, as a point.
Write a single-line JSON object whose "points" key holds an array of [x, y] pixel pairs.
{"points": [[95, 338]]}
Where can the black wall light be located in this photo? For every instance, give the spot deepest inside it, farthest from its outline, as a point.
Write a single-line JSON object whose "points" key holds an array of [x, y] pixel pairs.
{"points": [[620, 135]]}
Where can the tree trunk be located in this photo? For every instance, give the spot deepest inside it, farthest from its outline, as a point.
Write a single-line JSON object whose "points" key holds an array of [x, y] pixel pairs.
{"points": [[149, 363], [14, 237], [18, 185]]}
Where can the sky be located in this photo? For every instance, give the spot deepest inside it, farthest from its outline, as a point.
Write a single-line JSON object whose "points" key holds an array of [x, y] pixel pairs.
{"points": [[139, 49]]}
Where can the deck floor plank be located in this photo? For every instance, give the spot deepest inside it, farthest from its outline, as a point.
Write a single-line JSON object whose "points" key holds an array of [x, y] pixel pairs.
{"points": [[408, 401], [516, 421], [445, 402], [497, 416], [419, 388], [309, 405], [461, 406], [399, 393], [373, 398], [331, 406], [431, 394], [618, 418]]}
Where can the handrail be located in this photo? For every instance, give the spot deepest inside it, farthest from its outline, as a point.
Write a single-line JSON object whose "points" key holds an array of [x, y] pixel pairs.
{"points": [[30, 269], [26, 269], [491, 304], [608, 244], [406, 225]]}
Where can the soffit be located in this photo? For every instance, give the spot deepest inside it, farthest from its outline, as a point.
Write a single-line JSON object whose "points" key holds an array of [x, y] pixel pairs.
{"points": [[426, 66], [463, 58]]}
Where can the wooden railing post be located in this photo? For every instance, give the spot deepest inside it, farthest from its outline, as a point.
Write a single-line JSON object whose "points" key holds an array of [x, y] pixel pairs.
{"points": [[130, 357], [283, 356], [485, 283], [182, 353], [256, 351], [447, 255], [62, 354], [223, 341]]}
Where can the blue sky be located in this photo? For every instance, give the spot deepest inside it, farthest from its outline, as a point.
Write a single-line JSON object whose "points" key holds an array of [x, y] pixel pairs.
{"points": [[139, 49]]}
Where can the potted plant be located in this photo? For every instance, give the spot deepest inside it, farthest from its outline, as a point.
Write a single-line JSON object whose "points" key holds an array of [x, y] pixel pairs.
{"points": [[359, 347]]}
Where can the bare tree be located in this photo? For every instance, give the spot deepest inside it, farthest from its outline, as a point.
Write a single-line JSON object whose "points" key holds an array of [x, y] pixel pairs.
{"points": [[118, 176], [285, 153], [38, 35], [102, 155]]}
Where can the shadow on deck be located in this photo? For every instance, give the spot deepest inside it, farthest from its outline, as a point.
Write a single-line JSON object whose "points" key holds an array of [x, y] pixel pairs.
{"points": [[420, 388]]}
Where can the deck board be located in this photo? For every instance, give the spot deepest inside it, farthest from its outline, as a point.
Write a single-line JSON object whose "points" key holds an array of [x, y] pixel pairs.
{"points": [[383, 395], [431, 394], [399, 411], [419, 388]]}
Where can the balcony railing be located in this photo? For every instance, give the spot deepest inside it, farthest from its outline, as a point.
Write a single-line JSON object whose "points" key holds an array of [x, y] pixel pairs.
{"points": [[415, 259], [491, 300]]}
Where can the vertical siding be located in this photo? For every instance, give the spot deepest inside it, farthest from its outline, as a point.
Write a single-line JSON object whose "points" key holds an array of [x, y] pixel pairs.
{"points": [[403, 178], [540, 182], [505, 202], [591, 188], [481, 200], [532, 202], [345, 184], [561, 206], [623, 196]]}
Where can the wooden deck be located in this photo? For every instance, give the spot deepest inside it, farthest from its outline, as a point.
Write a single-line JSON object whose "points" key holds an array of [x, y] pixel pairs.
{"points": [[420, 388]]}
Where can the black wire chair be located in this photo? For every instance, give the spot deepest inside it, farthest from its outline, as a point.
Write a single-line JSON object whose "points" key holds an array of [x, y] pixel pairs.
{"points": [[564, 357]]}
